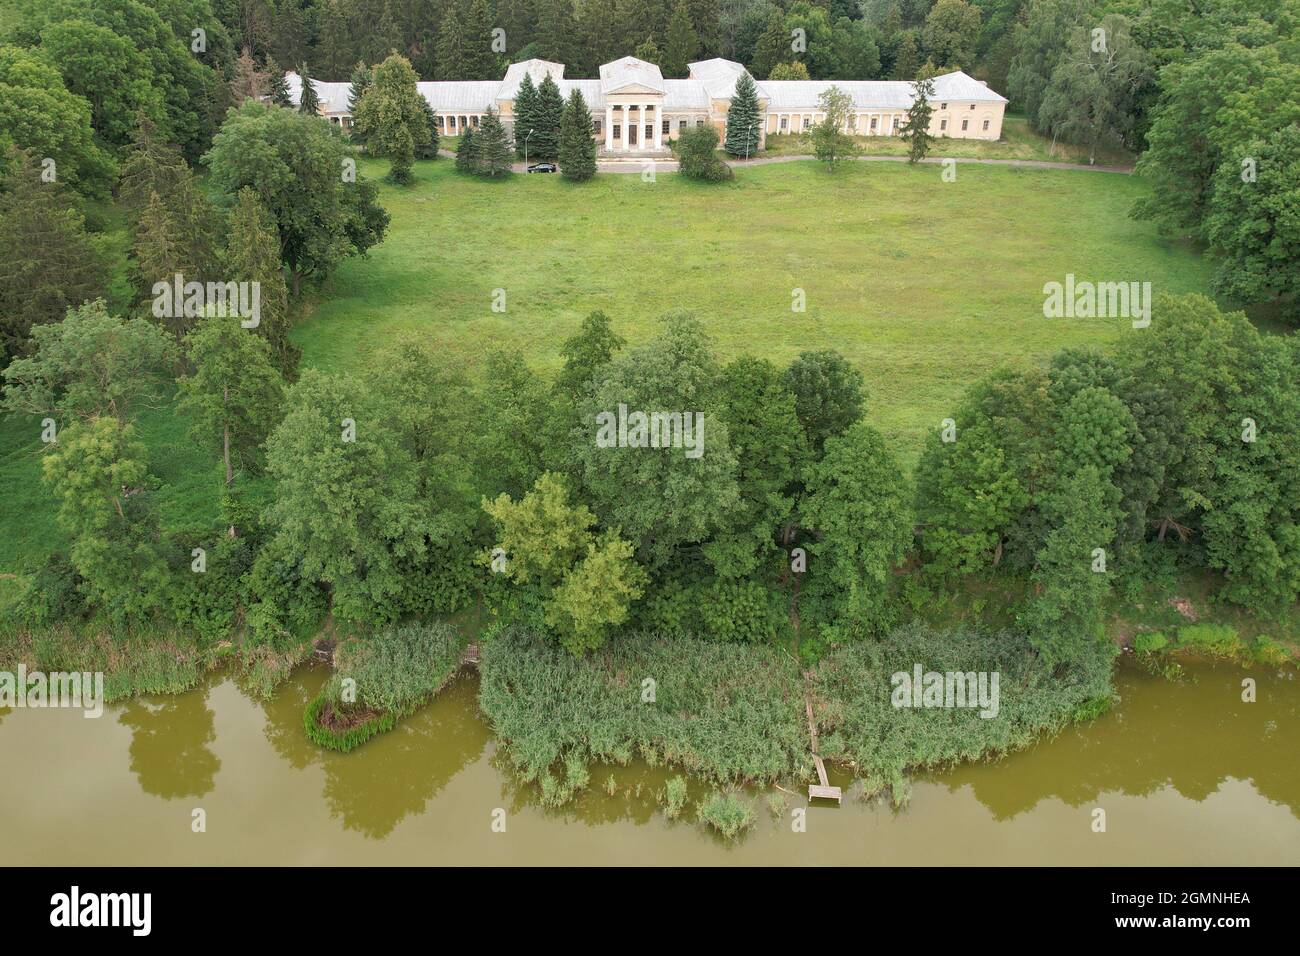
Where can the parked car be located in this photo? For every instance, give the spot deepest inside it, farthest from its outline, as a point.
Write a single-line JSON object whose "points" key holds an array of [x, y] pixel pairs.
{"points": [[542, 168]]}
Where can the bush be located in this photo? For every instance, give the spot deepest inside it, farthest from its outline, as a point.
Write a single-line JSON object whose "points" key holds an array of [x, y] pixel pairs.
{"points": [[54, 594], [675, 797], [697, 155], [1216, 640], [728, 814], [1269, 651], [1148, 642]]}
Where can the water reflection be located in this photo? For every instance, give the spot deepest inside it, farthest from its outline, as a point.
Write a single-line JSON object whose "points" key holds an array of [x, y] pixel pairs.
{"points": [[170, 738], [1191, 736]]}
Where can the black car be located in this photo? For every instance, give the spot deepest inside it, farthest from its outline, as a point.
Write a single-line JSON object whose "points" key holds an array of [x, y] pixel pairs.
{"points": [[542, 168]]}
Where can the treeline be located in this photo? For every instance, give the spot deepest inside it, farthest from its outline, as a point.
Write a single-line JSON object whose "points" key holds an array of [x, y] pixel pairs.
{"points": [[413, 492]]}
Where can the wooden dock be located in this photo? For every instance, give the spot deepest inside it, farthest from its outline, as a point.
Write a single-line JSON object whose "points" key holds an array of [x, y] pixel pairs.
{"points": [[470, 655], [824, 791]]}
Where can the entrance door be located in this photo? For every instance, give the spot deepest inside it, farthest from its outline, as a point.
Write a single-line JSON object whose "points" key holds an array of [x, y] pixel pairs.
{"points": [[631, 135]]}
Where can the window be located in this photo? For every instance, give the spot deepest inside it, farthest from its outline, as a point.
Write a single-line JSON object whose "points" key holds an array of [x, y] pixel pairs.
{"points": [[649, 132], [964, 124], [943, 124], [986, 124], [943, 106], [807, 122], [972, 106], [618, 131], [699, 122], [473, 121], [896, 122], [667, 127], [681, 126], [598, 124], [785, 124], [873, 124]]}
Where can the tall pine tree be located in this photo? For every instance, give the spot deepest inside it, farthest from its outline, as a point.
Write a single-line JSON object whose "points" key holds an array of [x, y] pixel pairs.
{"points": [[492, 145], [308, 101], [743, 123], [681, 44], [525, 116], [550, 113], [916, 130], [253, 255], [577, 140]]}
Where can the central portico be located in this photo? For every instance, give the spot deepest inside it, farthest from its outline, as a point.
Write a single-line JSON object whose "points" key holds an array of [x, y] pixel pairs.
{"points": [[633, 91]]}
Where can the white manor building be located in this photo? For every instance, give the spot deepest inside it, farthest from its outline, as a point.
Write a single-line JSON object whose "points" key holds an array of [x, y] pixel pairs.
{"points": [[636, 111]]}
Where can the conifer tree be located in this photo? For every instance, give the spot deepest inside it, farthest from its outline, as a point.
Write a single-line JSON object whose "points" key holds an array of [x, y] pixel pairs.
{"points": [[743, 122], [449, 52], [253, 255], [681, 44], [577, 142], [152, 165], [773, 46], [360, 79], [492, 146], [480, 62], [525, 116], [916, 130], [278, 88], [430, 149], [467, 152], [248, 82], [308, 101], [545, 143], [48, 263]]}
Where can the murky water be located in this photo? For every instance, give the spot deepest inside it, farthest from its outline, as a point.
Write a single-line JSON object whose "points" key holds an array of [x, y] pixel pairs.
{"points": [[1186, 772]]}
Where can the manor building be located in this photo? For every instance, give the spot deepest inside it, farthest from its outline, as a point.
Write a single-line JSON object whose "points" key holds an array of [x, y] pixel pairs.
{"points": [[636, 112]]}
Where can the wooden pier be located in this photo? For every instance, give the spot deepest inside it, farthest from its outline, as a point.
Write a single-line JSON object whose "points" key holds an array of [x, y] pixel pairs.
{"points": [[824, 790], [470, 655]]}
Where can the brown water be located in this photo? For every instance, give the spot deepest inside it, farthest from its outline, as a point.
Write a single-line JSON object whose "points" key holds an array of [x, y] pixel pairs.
{"points": [[1186, 772]]}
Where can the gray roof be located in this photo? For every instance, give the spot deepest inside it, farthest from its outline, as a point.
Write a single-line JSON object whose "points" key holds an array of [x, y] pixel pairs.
{"points": [[630, 71], [710, 79]]}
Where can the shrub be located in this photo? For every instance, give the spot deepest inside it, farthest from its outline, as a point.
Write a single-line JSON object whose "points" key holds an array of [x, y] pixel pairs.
{"points": [[1216, 640], [54, 593], [697, 156], [675, 797], [1269, 651], [1148, 642], [728, 814]]}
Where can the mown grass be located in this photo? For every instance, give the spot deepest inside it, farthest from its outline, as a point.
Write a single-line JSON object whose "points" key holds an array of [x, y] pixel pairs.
{"points": [[925, 285], [1018, 141]]}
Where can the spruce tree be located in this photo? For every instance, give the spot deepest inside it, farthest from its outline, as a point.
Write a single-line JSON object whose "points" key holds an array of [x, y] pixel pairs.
{"points": [[681, 44], [253, 255], [479, 61], [279, 89], [743, 122], [525, 116], [308, 101], [916, 131], [48, 263], [773, 46], [492, 146], [545, 143], [450, 49], [467, 152], [152, 165], [577, 142], [361, 79], [430, 149]]}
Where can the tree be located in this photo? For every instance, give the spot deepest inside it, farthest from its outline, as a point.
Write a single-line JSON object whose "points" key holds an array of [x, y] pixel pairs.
{"points": [[526, 117], [467, 152], [392, 116], [248, 82], [1091, 97], [828, 395], [513, 404], [360, 81], [1252, 221], [907, 56], [233, 393], [697, 156], [38, 113], [648, 50], [480, 63], [253, 255], [857, 57], [450, 54], [625, 482], [586, 354], [773, 46], [916, 128], [577, 143], [681, 43], [545, 143], [830, 143], [308, 101], [98, 473], [857, 506], [90, 365], [789, 71], [429, 150], [594, 597], [492, 146], [152, 165], [174, 235], [48, 262], [744, 125], [278, 87], [297, 168], [951, 31], [1041, 42]]}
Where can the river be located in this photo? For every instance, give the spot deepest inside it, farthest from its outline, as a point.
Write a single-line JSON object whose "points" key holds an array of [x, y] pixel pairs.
{"points": [[1186, 772]]}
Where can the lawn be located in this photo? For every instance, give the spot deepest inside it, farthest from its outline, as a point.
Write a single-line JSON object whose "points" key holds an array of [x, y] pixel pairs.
{"points": [[924, 285]]}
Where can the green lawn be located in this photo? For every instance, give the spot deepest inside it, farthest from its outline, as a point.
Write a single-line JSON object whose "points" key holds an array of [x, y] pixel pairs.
{"points": [[925, 285]]}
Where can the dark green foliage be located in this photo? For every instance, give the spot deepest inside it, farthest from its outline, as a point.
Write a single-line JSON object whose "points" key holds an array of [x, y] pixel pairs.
{"points": [[492, 147], [467, 153], [545, 143], [744, 125], [828, 395], [697, 155], [308, 101], [577, 153], [916, 128], [527, 119]]}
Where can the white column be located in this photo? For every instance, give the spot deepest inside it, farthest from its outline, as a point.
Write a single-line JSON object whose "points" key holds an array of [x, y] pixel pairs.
{"points": [[609, 128], [659, 127], [627, 140]]}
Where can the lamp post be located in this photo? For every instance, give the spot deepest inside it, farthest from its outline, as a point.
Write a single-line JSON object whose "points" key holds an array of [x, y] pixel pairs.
{"points": [[748, 136], [526, 138]]}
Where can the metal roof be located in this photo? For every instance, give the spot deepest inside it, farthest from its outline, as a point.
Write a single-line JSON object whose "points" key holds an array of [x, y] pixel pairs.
{"points": [[537, 69], [630, 71]]}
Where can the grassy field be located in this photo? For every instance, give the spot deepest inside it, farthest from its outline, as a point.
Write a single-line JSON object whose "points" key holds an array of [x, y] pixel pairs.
{"points": [[1018, 142], [925, 285]]}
